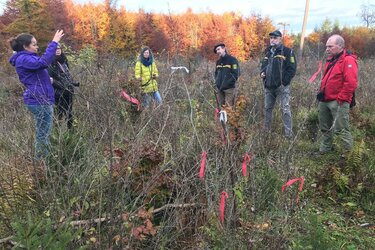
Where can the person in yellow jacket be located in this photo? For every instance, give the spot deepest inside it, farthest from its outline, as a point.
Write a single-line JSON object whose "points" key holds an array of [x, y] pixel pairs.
{"points": [[146, 72]]}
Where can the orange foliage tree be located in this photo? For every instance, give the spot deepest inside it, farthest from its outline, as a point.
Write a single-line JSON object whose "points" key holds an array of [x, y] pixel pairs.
{"points": [[117, 31]]}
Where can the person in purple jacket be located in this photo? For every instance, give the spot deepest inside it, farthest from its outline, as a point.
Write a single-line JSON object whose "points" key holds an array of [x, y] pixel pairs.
{"points": [[39, 94]]}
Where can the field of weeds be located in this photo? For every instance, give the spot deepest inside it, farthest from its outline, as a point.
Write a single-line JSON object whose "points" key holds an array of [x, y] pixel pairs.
{"points": [[123, 179]]}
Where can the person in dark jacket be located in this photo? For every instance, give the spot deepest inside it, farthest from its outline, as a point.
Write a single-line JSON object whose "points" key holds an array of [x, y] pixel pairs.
{"points": [[340, 79], [278, 68], [226, 75], [38, 95], [63, 84]]}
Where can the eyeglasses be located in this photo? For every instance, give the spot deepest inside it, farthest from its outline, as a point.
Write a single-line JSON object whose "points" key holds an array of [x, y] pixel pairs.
{"points": [[273, 37]]}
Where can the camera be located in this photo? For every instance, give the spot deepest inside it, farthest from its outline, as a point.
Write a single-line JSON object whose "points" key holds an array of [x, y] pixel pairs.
{"points": [[320, 96]]}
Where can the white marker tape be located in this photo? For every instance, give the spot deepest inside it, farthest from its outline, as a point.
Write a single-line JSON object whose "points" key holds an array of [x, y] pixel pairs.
{"points": [[223, 116], [180, 67]]}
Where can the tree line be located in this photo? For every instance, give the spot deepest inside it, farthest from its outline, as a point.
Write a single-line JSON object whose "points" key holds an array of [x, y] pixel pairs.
{"points": [[112, 30]]}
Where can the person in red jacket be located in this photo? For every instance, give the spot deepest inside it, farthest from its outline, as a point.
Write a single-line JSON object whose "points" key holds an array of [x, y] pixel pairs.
{"points": [[339, 82]]}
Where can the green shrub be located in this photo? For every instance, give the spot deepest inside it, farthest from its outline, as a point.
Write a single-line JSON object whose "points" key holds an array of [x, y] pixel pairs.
{"points": [[40, 233]]}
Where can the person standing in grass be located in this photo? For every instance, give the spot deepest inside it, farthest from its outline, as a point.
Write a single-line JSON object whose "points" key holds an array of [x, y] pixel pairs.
{"points": [[146, 72], [63, 85], [33, 74], [278, 68], [340, 79], [227, 72]]}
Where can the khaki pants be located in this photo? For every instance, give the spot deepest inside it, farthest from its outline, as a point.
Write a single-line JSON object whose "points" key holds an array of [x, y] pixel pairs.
{"points": [[226, 97], [334, 119]]}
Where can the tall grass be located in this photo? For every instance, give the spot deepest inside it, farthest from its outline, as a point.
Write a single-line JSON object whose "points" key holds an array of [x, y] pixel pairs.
{"points": [[139, 171]]}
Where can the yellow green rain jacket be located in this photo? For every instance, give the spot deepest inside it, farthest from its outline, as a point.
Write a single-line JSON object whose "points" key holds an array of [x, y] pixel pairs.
{"points": [[145, 73]]}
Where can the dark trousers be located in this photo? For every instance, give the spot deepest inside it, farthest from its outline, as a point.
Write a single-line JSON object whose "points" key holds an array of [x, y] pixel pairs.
{"points": [[64, 107]]}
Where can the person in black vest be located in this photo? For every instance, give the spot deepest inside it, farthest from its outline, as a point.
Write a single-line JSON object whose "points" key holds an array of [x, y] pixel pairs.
{"points": [[63, 84], [226, 75], [278, 68]]}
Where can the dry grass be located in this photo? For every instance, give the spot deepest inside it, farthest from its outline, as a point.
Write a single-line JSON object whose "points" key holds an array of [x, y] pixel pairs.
{"points": [[118, 162]]}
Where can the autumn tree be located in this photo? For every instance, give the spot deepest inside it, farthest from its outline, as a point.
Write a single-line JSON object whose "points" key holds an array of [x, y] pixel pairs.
{"points": [[90, 24], [32, 17], [59, 15], [121, 38], [144, 27], [214, 30]]}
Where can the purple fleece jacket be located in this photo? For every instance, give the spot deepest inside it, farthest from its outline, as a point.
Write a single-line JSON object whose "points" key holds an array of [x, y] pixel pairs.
{"points": [[32, 72]]}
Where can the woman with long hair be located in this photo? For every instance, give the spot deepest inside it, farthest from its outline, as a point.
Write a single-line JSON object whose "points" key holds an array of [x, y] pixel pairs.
{"points": [[38, 95]]}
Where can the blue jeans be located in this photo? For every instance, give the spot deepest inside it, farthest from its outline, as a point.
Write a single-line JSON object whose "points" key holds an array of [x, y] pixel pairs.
{"points": [[271, 95], [147, 98], [43, 115]]}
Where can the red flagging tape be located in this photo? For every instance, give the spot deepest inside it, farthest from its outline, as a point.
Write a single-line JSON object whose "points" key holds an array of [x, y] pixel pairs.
{"points": [[224, 196], [246, 159], [203, 164], [216, 113], [133, 100], [291, 182], [313, 77]]}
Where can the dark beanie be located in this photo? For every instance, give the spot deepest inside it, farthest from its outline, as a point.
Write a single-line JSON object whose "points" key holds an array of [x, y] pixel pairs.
{"points": [[275, 33], [218, 45]]}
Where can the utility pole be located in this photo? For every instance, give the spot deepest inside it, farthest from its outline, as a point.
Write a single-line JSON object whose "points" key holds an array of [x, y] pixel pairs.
{"points": [[303, 30], [284, 29]]}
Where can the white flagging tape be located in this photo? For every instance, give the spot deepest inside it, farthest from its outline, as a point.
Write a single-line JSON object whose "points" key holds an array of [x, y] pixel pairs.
{"points": [[180, 67], [223, 116]]}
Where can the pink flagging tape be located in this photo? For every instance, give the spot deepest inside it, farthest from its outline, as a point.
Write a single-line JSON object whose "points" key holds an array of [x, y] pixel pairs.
{"points": [[203, 164], [291, 182], [133, 100], [313, 77], [216, 114], [246, 159], [224, 196]]}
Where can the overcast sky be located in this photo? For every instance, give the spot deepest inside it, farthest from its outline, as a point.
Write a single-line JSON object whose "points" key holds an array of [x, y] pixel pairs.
{"points": [[280, 11]]}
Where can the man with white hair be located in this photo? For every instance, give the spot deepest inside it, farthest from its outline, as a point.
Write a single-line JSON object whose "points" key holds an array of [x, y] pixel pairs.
{"points": [[339, 82], [278, 68]]}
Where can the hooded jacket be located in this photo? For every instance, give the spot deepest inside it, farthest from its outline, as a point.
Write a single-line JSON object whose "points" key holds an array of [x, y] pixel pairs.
{"points": [[32, 72], [146, 69], [340, 79], [62, 79], [279, 66], [227, 72]]}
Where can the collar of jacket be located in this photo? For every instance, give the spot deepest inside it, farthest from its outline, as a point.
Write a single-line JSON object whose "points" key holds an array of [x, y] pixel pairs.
{"points": [[226, 55], [336, 57], [278, 48], [14, 57]]}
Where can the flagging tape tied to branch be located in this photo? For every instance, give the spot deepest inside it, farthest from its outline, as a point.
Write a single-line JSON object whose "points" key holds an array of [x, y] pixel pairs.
{"points": [[203, 164], [131, 99], [224, 196], [179, 67], [246, 159], [291, 182]]}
